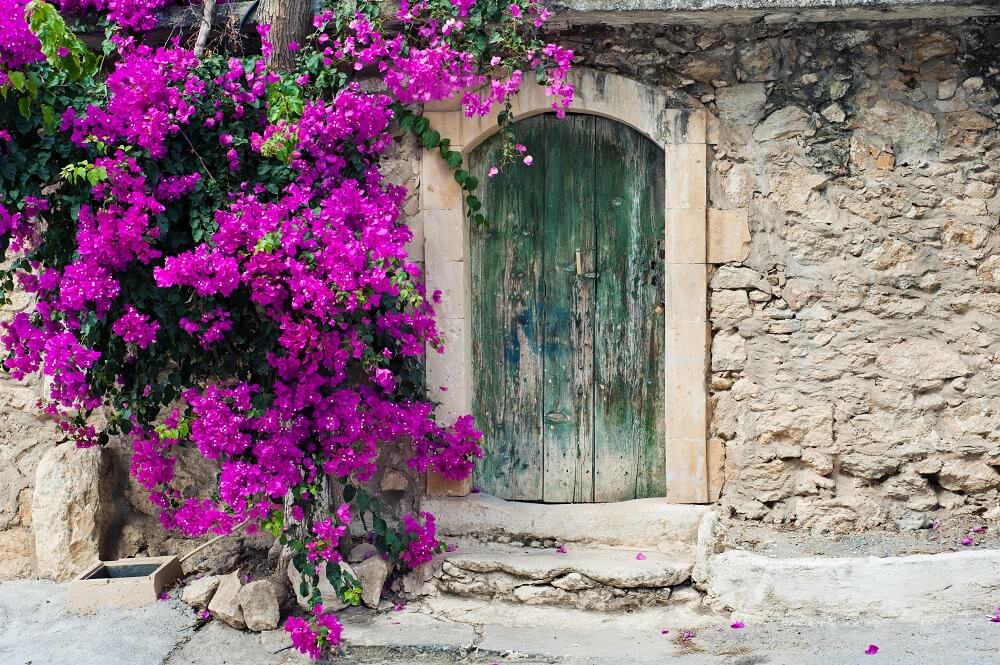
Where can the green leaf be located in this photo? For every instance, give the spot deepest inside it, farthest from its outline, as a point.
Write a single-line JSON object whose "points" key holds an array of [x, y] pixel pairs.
{"points": [[431, 139], [24, 106], [17, 80], [462, 176], [454, 159]]}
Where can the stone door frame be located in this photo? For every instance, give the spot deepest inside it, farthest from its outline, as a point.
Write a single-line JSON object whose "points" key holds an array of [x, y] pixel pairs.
{"points": [[682, 134]]}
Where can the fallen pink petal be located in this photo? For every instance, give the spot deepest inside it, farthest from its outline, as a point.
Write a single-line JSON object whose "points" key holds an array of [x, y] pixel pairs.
{"points": [[736, 625], [561, 549], [163, 596], [640, 557], [967, 541], [871, 650]]}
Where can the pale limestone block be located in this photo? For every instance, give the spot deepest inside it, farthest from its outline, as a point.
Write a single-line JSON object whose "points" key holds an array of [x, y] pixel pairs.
{"points": [[448, 124], [450, 369], [450, 278], [686, 293], [687, 408], [687, 179], [685, 236], [716, 464], [687, 480], [728, 235], [445, 234], [438, 189], [71, 509], [259, 604]]}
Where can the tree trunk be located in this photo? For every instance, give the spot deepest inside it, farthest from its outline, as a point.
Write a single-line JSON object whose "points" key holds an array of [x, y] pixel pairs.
{"points": [[290, 21]]}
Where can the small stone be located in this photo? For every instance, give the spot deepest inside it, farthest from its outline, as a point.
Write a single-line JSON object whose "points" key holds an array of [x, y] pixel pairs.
{"points": [[946, 89], [839, 88], [729, 352], [259, 604], [784, 123], [736, 277], [225, 604], [372, 573], [833, 112], [328, 594], [934, 45], [394, 481], [573, 582], [973, 83], [199, 592], [968, 476], [361, 553], [742, 103]]}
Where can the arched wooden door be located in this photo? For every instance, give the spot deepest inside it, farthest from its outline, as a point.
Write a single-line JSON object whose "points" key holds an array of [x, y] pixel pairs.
{"points": [[567, 292]]}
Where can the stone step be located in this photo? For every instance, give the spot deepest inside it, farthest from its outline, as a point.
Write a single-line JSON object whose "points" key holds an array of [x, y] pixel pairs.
{"points": [[588, 578], [646, 523]]}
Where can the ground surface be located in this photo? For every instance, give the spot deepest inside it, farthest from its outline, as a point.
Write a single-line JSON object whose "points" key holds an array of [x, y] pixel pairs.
{"points": [[36, 629]]}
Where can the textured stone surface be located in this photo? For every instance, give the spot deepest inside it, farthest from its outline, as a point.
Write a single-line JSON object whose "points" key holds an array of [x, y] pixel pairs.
{"points": [[587, 578], [329, 595], [854, 587], [225, 604], [259, 605], [199, 592], [372, 573], [72, 503]]}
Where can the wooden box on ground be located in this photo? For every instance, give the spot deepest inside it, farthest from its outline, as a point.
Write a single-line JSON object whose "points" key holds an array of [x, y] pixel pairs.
{"points": [[125, 583]]}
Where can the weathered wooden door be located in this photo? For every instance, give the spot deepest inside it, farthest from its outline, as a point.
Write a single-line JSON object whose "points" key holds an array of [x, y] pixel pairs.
{"points": [[568, 320]]}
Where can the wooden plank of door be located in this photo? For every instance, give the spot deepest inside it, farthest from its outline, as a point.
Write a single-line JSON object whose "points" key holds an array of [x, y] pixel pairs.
{"points": [[629, 436], [506, 335], [567, 308]]}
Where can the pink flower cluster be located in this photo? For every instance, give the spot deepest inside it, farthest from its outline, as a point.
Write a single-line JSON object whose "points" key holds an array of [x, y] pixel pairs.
{"points": [[135, 327], [421, 539], [313, 635], [138, 15], [18, 46], [151, 92]]}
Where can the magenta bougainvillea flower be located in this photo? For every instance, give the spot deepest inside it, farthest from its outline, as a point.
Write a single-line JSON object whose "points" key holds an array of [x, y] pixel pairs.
{"points": [[736, 625], [223, 268], [871, 650], [561, 549]]}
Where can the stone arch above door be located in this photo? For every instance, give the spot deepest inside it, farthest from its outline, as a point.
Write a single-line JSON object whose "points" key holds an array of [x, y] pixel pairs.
{"points": [[682, 134]]}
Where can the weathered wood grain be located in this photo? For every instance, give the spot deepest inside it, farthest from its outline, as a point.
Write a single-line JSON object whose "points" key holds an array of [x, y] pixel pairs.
{"points": [[568, 309], [629, 432], [568, 353], [506, 345]]}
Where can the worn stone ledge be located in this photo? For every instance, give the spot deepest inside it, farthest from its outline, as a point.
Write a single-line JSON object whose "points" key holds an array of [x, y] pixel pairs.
{"points": [[651, 523], [706, 12], [823, 588]]}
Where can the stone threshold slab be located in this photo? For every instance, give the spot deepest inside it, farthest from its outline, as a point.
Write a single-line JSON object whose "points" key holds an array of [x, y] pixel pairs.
{"points": [[646, 523]]}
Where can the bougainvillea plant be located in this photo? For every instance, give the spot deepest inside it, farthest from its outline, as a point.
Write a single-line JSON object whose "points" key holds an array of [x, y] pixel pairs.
{"points": [[217, 261]]}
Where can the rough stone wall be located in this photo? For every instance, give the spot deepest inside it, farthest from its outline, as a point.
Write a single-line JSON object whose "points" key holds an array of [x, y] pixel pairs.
{"points": [[854, 379]]}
